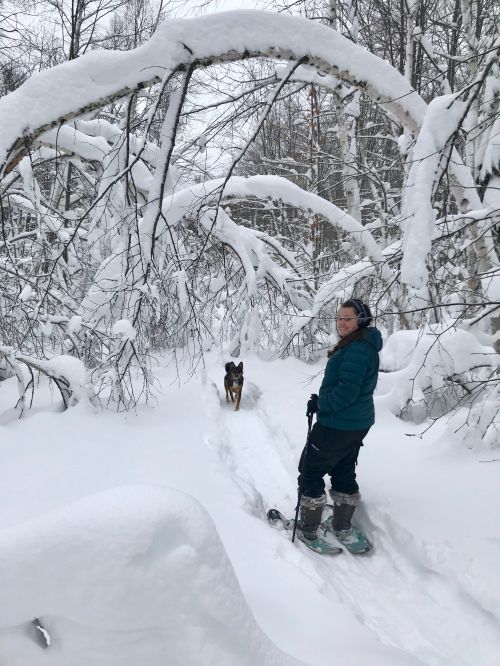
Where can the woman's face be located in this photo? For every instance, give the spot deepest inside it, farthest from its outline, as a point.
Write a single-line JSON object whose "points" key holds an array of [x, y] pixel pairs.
{"points": [[347, 321]]}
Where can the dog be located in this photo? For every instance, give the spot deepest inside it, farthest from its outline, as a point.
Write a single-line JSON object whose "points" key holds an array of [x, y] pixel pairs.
{"points": [[233, 382]]}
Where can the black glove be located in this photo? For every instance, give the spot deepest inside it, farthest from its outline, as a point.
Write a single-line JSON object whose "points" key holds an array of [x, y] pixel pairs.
{"points": [[312, 405]]}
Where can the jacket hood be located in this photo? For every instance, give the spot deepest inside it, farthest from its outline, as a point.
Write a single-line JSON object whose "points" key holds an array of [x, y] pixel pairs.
{"points": [[374, 337]]}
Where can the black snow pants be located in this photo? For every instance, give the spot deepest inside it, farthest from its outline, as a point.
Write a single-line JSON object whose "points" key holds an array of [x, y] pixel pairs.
{"points": [[333, 452]]}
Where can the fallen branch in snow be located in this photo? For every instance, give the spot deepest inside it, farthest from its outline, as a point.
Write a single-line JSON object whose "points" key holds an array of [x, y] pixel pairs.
{"points": [[68, 374]]}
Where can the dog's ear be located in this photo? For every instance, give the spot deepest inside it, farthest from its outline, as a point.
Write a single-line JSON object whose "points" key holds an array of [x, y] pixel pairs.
{"points": [[230, 365], [240, 365]]}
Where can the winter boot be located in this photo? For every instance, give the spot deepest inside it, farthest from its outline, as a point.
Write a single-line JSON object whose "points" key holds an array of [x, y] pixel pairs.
{"points": [[344, 507], [340, 523], [311, 509]]}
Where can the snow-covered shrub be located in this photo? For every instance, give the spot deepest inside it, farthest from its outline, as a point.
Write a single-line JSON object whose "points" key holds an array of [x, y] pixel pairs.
{"points": [[434, 371], [479, 424]]}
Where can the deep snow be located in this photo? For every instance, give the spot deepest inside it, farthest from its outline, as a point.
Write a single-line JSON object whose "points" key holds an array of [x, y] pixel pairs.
{"points": [[136, 573]]}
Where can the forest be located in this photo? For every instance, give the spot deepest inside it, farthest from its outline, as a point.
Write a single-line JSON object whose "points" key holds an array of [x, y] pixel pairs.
{"points": [[178, 180], [186, 184]]}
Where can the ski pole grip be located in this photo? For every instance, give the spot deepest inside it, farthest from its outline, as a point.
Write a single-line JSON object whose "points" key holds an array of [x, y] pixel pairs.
{"points": [[312, 405]]}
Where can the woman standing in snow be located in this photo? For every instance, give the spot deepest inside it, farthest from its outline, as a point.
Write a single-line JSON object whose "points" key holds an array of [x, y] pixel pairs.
{"points": [[345, 413]]}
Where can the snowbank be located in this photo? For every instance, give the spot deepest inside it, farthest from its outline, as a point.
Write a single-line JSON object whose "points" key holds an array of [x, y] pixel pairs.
{"points": [[121, 578], [133, 575]]}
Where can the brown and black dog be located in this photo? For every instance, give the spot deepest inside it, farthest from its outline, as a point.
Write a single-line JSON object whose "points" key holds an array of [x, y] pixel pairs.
{"points": [[233, 382]]}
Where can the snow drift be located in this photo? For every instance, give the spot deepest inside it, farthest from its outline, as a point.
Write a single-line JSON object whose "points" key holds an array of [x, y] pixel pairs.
{"points": [[132, 575]]}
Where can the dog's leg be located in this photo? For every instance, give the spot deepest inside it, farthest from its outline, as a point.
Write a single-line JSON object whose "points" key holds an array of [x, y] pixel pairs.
{"points": [[238, 398]]}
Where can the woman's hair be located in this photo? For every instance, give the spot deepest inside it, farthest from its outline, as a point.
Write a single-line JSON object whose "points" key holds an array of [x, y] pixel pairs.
{"points": [[358, 334]]}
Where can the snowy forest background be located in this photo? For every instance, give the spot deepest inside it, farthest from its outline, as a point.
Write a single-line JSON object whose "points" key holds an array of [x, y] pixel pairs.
{"points": [[227, 180], [179, 186]]}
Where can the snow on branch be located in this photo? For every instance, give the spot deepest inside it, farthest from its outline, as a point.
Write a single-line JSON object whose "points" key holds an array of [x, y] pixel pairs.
{"points": [[99, 77], [432, 153], [431, 365], [340, 287], [74, 141], [442, 120], [68, 373], [253, 248], [176, 206], [200, 202], [252, 252]]}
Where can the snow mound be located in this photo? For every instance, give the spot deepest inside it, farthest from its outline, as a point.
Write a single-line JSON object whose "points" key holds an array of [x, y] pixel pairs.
{"points": [[132, 575]]}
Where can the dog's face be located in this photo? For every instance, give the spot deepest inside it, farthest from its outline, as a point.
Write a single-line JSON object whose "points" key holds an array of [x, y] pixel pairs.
{"points": [[236, 371]]}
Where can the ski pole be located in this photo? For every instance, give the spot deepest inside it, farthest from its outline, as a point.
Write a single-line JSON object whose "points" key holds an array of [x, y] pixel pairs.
{"points": [[303, 464]]}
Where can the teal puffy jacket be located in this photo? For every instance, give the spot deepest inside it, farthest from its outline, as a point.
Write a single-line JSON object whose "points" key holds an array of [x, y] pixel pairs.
{"points": [[346, 393]]}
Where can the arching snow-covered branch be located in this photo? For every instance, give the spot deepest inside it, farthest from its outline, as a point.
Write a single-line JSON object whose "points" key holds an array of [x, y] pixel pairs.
{"points": [[252, 249], [99, 77], [96, 79], [184, 202], [68, 373], [196, 200]]}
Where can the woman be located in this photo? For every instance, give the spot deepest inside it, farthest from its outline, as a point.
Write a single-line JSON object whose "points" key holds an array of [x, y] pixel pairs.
{"points": [[345, 414]]}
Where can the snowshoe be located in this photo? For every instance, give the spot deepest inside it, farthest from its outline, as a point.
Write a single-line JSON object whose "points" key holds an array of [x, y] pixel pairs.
{"points": [[353, 539], [318, 545]]}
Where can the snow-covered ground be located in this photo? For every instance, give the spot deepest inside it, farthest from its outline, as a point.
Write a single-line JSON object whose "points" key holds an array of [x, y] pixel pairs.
{"points": [[141, 537]]}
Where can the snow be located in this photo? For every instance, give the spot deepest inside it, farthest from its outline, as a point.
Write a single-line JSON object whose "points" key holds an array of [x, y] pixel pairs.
{"points": [[403, 144], [124, 328], [308, 74], [69, 367], [442, 119], [139, 573], [26, 293], [73, 371], [340, 287], [491, 158], [74, 324], [91, 81], [88, 81], [72, 140], [141, 537], [177, 205], [426, 359], [492, 194], [251, 246]]}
